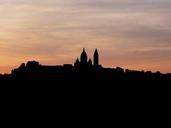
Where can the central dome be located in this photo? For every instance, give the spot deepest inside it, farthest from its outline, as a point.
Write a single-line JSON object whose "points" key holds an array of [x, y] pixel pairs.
{"points": [[83, 57]]}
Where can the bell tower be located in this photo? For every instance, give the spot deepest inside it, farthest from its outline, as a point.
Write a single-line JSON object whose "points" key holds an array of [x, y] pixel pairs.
{"points": [[96, 58]]}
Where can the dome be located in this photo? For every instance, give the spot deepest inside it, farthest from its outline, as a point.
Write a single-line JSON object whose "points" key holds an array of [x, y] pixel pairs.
{"points": [[83, 57]]}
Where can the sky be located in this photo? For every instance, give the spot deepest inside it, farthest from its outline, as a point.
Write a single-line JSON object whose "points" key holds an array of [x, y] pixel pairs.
{"points": [[134, 34]]}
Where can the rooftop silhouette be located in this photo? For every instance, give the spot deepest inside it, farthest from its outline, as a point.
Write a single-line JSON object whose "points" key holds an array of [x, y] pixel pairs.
{"points": [[82, 71], [85, 83]]}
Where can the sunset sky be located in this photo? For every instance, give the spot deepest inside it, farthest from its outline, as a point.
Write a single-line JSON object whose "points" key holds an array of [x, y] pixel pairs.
{"points": [[134, 34]]}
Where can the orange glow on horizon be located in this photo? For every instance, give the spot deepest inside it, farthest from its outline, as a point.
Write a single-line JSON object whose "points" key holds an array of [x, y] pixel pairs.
{"points": [[145, 66], [54, 32]]}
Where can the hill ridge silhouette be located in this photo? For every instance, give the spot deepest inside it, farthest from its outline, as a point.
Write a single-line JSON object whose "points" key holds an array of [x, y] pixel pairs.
{"points": [[84, 70]]}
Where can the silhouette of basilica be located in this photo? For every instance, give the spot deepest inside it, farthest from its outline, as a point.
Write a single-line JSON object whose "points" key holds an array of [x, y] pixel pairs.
{"points": [[85, 62], [84, 69]]}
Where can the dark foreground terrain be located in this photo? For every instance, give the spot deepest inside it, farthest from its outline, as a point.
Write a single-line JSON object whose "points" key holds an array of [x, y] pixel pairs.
{"points": [[35, 74], [33, 78], [95, 93]]}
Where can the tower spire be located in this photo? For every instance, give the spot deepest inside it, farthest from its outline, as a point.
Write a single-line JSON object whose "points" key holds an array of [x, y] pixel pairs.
{"points": [[96, 58]]}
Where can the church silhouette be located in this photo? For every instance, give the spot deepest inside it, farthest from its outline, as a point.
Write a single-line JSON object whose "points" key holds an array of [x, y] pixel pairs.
{"points": [[83, 71], [83, 83], [84, 62], [82, 68]]}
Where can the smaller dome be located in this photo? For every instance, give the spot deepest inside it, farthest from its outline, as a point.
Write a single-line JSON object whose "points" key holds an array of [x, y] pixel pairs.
{"points": [[90, 62]]}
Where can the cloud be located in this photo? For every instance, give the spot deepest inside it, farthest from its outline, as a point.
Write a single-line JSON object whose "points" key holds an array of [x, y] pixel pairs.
{"points": [[48, 28]]}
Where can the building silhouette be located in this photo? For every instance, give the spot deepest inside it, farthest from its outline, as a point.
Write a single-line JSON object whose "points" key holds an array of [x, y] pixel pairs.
{"points": [[96, 58], [87, 62], [83, 71], [83, 57]]}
